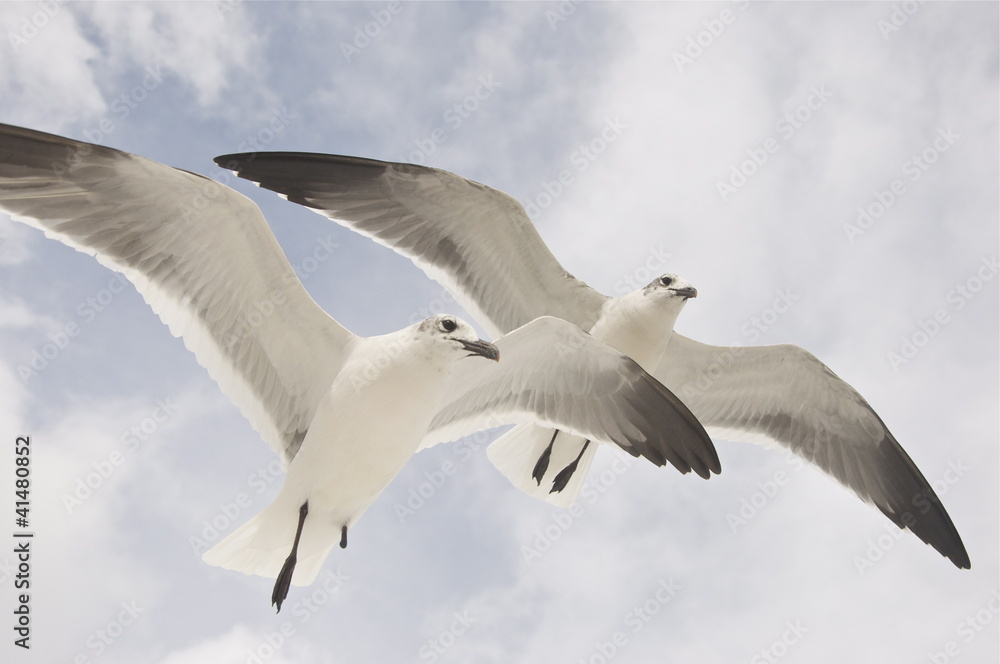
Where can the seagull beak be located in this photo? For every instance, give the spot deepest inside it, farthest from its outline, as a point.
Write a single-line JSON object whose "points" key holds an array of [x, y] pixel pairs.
{"points": [[686, 292], [480, 347]]}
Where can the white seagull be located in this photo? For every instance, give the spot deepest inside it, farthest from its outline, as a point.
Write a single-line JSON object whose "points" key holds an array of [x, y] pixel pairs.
{"points": [[480, 244], [344, 412]]}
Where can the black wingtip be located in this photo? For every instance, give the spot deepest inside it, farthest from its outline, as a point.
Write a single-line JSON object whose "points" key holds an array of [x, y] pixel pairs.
{"points": [[914, 505]]}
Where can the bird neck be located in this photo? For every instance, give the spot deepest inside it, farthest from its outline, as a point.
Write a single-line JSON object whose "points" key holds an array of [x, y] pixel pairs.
{"points": [[637, 326]]}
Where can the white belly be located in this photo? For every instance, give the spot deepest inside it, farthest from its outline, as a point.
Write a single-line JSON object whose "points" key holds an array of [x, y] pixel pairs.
{"points": [[359, 440]]}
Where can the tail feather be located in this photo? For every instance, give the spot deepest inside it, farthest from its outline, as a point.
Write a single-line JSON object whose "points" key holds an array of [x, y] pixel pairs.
{"points": [[516, 452], [261, 545]]}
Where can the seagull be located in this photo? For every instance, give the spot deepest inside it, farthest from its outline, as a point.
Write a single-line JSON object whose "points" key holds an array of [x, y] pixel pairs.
{"points": [[344, 412], [480, 244]]}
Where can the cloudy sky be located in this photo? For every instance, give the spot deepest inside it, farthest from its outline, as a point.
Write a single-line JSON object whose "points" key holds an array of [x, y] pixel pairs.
{"points": [[841, 157]]}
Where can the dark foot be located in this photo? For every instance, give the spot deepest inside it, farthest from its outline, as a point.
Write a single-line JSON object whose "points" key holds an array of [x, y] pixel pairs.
{"points": [[283, 583], [562, 479], [343, 537], [543, 461], [284, 580]]}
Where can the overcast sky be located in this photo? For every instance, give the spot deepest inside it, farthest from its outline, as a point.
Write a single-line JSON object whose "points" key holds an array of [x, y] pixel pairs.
{"points": [[733, 144]]}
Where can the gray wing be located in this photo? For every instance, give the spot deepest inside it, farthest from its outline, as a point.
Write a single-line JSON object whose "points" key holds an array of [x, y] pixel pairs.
{"points": [[204, 259], [552, 374], [476, 241], [784, 394]]}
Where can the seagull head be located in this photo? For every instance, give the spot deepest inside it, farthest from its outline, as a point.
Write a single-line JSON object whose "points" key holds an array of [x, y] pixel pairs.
{"points": [[455, 334], [670, 286]]}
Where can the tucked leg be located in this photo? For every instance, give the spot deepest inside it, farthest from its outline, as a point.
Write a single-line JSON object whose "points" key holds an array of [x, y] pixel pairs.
{"points": [[562, 479], [543, 461], [284, 580]]}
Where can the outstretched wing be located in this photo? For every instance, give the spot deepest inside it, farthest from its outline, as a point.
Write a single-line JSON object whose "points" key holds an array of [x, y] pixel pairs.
{"points": [[204, 259], [476, 241], [784, 394], [552, 374]]}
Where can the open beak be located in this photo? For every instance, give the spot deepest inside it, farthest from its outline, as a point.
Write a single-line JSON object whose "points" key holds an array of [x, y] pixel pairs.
{"points": [[480, 347], [686, 292]]}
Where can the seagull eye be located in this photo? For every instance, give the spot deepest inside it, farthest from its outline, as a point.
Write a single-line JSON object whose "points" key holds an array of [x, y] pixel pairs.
{"points": [[666, 281], [448, 325]]}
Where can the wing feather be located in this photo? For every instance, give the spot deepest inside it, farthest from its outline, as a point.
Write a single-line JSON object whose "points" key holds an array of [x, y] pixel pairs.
{"points": [[791, 398], [476, 241], [553, 374], [204, 259]]}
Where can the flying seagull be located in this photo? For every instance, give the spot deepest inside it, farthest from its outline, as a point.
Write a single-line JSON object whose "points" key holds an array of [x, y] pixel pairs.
{"points": [[480, 244], [345, 413]]}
